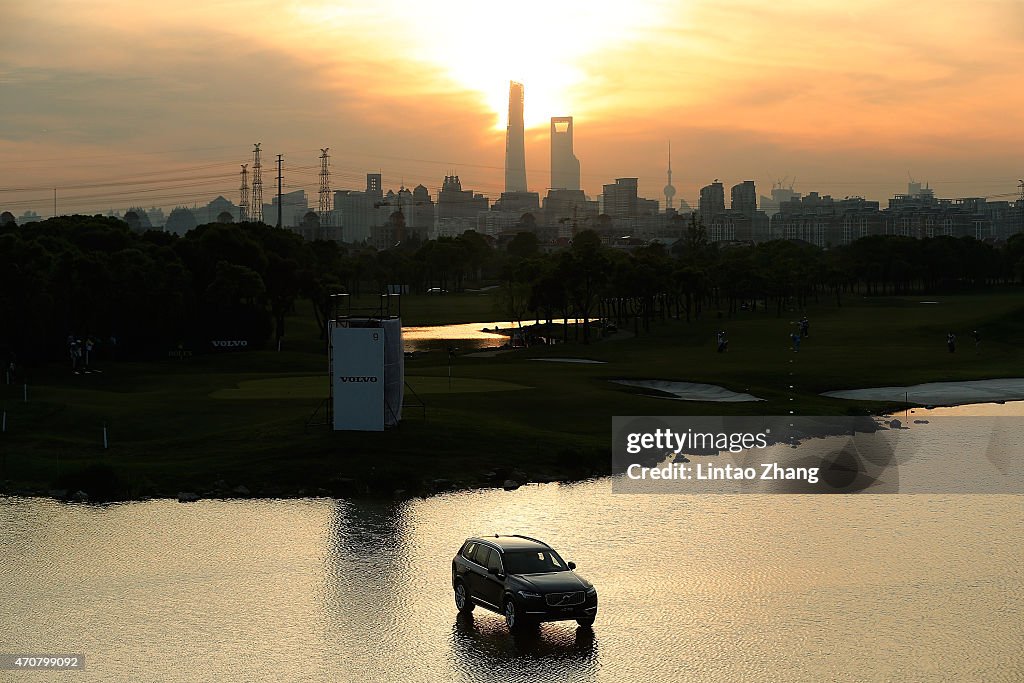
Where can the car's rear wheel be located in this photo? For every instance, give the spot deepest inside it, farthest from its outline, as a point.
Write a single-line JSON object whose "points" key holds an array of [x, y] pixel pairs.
{"points": [[462, 601], [589, 621]]}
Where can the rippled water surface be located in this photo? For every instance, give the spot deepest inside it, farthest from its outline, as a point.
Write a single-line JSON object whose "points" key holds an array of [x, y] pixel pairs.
{"points": [[709, 588], [464, 336]]}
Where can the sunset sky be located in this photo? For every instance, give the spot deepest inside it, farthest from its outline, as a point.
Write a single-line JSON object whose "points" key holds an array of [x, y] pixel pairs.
{"points": [[848, 98]]}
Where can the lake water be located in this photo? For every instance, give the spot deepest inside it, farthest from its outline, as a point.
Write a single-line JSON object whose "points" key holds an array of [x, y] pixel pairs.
{"points": [[466, 337], [693, 587]]}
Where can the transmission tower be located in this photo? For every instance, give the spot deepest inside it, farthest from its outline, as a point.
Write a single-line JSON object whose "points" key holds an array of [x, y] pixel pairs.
{"points": [[243, 203], [325, 188], [257, 185]]}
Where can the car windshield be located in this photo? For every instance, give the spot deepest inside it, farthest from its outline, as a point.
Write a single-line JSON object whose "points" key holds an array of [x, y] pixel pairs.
{"points": [[533, 562]]}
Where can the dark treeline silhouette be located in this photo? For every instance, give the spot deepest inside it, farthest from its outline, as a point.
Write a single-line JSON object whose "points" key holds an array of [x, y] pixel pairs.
{"points": [[148, 292], [145, 293], [649, 282]]}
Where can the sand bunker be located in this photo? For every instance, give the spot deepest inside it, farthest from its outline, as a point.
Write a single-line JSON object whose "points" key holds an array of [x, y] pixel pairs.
{"points": [[689, 391], [941, 393], [568, 360]]}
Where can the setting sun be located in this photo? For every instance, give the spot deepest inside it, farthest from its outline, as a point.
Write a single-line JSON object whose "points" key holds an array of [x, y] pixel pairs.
{"points": [[555, 49]]}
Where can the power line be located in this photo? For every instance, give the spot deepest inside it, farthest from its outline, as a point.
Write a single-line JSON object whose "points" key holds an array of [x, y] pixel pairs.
{"points": [[154, 177], [152, 185]]}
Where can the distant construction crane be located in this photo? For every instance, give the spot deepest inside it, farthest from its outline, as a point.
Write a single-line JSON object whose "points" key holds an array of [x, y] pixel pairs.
{"points": [[257, 185], [243, 202], [325, 188]]}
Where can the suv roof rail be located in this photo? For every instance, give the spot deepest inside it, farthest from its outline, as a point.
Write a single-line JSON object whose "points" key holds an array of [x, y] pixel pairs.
{"points": [[535, 540]]}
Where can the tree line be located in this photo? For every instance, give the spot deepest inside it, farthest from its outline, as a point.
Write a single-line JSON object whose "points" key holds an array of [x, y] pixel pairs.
{"points": [[148, 292], [693, 275]]}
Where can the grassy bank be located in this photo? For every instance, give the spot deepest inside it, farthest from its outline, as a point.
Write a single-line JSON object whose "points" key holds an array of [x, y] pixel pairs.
{"points": [[212, 423]]}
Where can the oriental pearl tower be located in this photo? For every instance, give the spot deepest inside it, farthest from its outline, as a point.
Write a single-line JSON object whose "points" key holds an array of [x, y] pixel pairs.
{"points": [[670, 190]]}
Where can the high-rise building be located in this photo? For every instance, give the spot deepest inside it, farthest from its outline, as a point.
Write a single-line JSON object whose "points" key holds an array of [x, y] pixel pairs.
{"points": [[180, 221], [294, 205], [374, 186], [565, 167], [567, 206], [711, 202], [826, 222], [517, 202], [210, 212], [354, 212], [454, 202], [422, 215], [156, 217], [515, 144], [771, 205], [744, 198], [137, 219], [620, 198]]}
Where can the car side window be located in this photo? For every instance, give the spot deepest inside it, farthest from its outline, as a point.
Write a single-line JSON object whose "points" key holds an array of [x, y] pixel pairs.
{"points": [[483, 554], [494, 561], [469, 552]]}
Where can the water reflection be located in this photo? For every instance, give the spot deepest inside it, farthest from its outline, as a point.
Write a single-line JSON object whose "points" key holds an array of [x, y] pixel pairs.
{"points": [[366, 583], [483, 650], [465, 336], [712, 588]]}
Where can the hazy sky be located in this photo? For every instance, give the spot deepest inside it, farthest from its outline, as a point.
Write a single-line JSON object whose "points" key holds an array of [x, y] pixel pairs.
{"points": [[845, 97]]}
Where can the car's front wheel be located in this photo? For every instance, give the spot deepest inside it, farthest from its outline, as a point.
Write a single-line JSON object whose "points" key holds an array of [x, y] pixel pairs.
{"points": [[462, 601], [512, 617]]}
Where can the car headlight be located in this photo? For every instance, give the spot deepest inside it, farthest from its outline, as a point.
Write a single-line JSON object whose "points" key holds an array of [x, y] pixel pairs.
{"points": [[528, 594], [591, 591]]}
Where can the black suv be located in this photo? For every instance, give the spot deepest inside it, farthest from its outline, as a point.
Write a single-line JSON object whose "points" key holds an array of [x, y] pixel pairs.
{"points": [[522, 578]]}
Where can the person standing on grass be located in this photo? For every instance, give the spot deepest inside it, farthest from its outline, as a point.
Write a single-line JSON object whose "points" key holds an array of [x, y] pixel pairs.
{"points": [[10, 369], [723, 343], [805, 327], [951, 342], [977, 341], [796, 342]]}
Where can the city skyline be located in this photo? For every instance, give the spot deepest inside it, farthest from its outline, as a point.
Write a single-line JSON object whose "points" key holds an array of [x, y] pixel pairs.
{"points": [[850, 102]]}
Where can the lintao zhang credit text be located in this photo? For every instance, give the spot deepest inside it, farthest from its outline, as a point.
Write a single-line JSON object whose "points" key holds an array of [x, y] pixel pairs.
{"points": [[701, 471]]}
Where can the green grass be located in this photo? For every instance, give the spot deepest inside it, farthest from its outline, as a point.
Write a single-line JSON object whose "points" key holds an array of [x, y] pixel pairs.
{"points": [[315, 387], [241, 417]]}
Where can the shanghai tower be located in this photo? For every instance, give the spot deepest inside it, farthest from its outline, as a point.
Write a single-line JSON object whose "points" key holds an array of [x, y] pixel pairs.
{"points": [[515, 146]]}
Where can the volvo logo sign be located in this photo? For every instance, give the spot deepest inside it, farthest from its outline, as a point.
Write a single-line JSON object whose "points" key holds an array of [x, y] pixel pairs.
{"points": [[357, 379], [229, 343]]}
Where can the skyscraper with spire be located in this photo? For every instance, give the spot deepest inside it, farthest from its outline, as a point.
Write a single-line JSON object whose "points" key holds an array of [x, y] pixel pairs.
{"points": [[670, 190], [565, 167], [515, 143]]}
